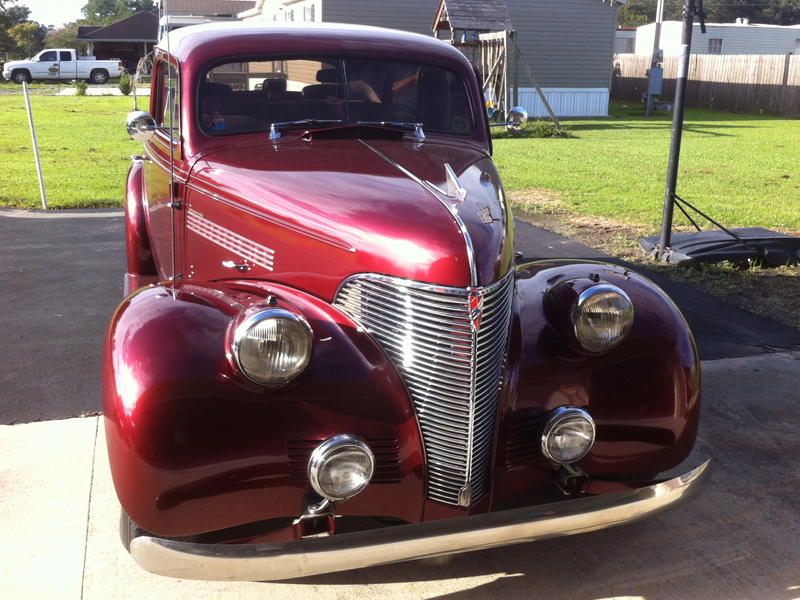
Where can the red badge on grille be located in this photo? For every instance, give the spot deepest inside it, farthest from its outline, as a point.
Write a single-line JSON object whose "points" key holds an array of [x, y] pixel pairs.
{"points": [[476, 311]]}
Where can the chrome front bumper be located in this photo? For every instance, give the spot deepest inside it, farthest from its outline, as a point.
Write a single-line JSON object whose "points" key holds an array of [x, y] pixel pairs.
{"points": [[314, 556]]}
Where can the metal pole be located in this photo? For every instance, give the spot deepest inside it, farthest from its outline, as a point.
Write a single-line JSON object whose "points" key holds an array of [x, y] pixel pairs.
{"points": [[677, 127], [35, 144], [515, 63], [656, 44]]}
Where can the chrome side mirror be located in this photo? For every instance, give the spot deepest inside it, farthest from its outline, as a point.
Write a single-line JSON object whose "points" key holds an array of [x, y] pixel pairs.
{"points": [[141, 125], [516, 117]]}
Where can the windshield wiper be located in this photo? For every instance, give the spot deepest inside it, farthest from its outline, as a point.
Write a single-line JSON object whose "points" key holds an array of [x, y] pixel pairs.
{"points": [[417, 127], [274, 134]]}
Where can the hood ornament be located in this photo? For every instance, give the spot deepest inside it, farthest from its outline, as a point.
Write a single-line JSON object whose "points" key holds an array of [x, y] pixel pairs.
{"points": [[455, 190]]}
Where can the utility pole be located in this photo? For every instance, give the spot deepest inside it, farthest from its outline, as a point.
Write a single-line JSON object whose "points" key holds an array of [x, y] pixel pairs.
{"points": [[656, 73]]}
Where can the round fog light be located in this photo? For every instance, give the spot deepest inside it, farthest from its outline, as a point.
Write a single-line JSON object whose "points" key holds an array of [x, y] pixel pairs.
{"points": [[568, 435], [341, 467]]}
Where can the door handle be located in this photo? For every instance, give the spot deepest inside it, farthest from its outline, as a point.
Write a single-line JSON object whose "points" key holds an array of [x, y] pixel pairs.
{"points": [[242, 268]]}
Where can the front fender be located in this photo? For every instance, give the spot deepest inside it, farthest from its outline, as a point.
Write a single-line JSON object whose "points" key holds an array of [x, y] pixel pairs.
{"points": [[644, 395], [194, 447], [141, 265]]}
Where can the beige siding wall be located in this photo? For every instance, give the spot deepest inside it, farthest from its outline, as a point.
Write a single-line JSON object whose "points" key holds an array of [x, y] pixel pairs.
{"points": [[567, 43], [736, 39], [409, 15]]}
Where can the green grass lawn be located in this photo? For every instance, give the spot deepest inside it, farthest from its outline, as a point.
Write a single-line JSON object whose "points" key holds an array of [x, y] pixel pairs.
{"points": [[83, 145], [743, 170]]}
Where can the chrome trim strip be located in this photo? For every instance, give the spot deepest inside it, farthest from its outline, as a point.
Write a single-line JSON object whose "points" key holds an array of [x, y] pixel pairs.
{"points": [[275, 220], [247, 249], [452, 209], [316, 556]]}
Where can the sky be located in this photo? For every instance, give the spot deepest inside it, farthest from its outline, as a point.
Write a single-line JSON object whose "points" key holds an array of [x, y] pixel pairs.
{"points": [[54, 12]]}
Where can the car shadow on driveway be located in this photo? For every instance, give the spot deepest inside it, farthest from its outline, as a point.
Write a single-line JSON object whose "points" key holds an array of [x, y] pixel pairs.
{"points": [[738, 540]]}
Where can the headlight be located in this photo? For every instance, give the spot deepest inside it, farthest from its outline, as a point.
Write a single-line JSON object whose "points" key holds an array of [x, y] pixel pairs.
{"points": [[341, 467], [567, 435], [272, 347], [602, 317]]}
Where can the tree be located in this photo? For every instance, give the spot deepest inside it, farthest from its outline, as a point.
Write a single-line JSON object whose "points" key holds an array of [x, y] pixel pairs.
{"points": [[15, 18], [65, 37], [105, 12], [29, 37], [768, 12]]}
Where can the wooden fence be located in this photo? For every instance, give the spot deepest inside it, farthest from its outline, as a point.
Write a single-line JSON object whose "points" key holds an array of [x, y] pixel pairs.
{"points": [[745, 83]]}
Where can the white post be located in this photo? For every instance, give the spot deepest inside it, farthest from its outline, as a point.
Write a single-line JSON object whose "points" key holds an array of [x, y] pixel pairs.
{"points": [[35, 144]]}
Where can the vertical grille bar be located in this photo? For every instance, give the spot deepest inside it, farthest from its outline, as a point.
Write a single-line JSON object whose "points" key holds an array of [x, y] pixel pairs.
{"points": [[450, 350]]}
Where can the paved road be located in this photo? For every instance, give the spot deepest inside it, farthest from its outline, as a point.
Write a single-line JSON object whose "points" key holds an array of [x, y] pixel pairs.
{"points": [[61, 282], [62, 279]]}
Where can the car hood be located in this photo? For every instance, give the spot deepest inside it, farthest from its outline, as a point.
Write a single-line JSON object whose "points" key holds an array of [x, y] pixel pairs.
{"points": [[369, 205]]}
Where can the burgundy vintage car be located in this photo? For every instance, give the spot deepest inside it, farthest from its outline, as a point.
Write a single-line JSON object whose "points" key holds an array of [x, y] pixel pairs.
{"points": [[328, 357]]}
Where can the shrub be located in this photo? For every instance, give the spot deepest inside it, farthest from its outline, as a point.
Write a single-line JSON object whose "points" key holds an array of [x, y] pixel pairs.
{"points": [[125, 83], [534, 128], [80, 88]]}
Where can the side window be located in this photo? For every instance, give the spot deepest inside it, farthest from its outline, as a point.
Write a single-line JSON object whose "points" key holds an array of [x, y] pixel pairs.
{"points": [[168, 101], [715, 46], [65, 56], [51, 56]]}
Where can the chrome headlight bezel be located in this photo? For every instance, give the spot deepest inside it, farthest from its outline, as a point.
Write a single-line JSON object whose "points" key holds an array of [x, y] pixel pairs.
{"points": [[599, 344], [246, 324], [328, 450], [558, 418]]}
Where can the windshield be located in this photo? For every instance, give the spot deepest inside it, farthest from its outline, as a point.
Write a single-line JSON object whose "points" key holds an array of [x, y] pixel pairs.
{"points": [[246, 97]]}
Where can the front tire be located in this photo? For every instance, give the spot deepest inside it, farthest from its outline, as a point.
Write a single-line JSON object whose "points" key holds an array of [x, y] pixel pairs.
{"points": [[99, 77], [21, 76]]}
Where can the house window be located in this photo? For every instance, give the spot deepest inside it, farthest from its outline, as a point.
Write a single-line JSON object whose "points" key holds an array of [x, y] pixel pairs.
{"points": [[715, 46], [289, 15], [308, 13]]}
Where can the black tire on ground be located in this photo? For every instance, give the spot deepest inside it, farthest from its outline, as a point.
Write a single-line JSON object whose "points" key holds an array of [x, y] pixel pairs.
{"points": [[129, 531], [21, 75], [99, 77]]}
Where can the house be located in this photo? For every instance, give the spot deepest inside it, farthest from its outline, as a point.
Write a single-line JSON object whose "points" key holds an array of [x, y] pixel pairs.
{"points": [[625, 40], [568, 44], [133, 38], [183, 13], [741, 37], [128, 40]]}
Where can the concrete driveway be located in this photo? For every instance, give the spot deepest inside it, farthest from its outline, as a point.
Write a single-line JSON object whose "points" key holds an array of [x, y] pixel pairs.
{"points": [[59, 513]]}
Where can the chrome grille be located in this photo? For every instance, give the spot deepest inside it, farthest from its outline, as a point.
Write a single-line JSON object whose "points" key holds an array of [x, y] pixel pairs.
{"points": [[451, 367]]}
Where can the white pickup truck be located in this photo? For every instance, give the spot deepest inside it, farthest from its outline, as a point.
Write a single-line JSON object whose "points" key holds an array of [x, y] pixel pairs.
{"points": [[62, 63]]}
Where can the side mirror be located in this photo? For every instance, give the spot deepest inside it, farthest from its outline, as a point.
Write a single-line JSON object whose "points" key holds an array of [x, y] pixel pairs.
{"points": [[141, 125], [517, 116]]}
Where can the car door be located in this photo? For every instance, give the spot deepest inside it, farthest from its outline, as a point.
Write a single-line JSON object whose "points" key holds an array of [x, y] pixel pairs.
{"points": [[67, 64], [164, 171], [46, 66]]}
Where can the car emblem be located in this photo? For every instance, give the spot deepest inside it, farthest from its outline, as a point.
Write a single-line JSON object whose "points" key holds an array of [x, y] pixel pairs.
{"points": [[476, 311], [485, 214]]}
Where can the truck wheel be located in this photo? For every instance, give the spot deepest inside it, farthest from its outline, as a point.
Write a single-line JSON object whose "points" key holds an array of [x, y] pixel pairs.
{"points": [[129, 531], [19, 76], [99, 77]]}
